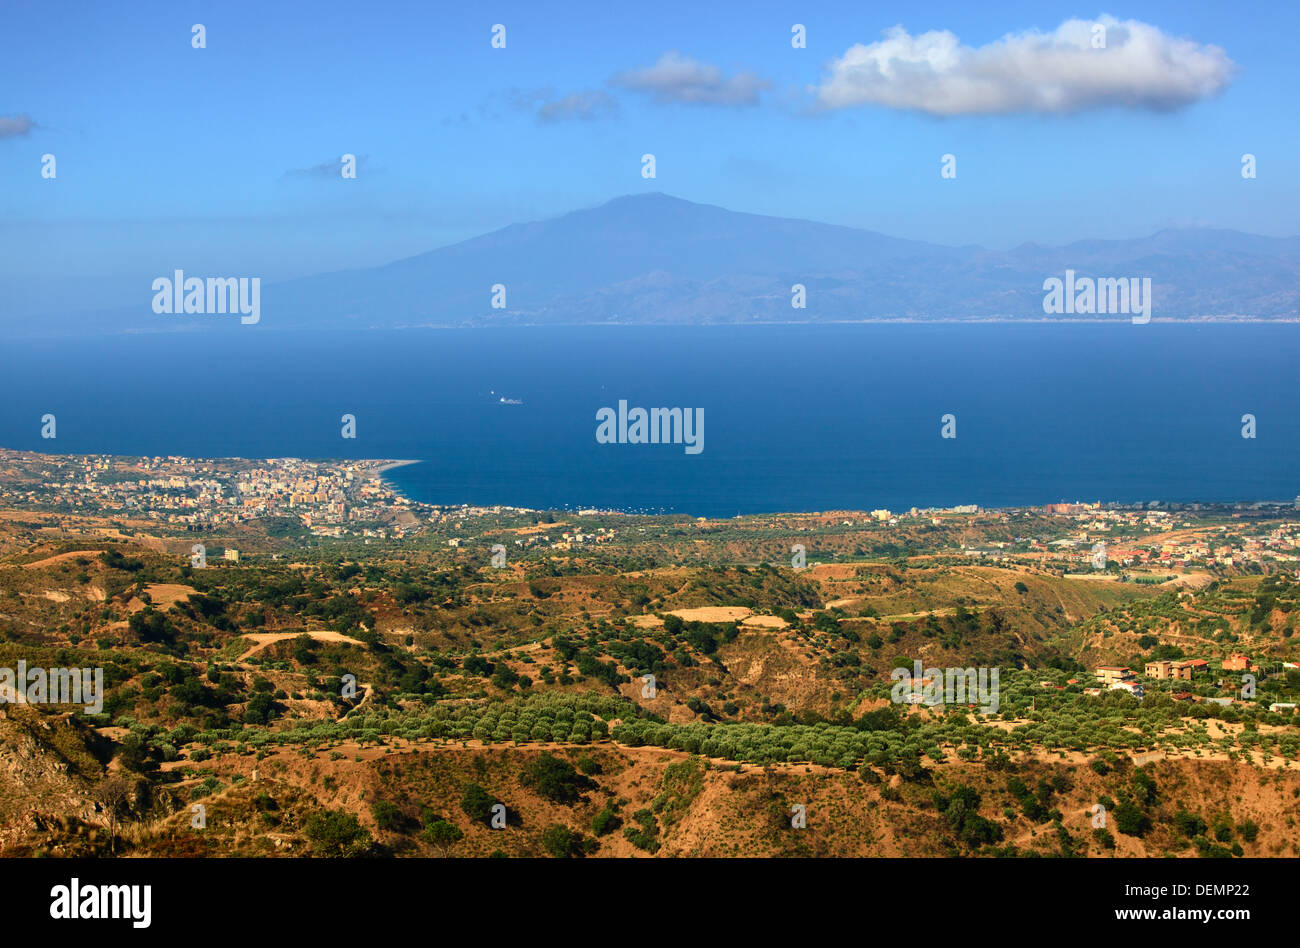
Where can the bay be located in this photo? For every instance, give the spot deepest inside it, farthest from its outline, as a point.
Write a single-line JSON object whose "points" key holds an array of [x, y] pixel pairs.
{"points": [[796, 417]]}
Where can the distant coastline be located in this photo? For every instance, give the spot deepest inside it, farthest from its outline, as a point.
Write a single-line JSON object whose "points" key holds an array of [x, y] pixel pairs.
{"points": [[390, 465], [268, 325], [625, 261], [379, 467]]}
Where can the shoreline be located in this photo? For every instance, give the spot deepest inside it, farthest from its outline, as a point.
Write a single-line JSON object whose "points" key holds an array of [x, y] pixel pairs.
{"points": [[1118, 320], [380, 467], [386, 466]]}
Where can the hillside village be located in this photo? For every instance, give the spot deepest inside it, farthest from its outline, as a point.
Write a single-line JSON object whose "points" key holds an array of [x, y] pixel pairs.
{"points": [[1209, 688]]}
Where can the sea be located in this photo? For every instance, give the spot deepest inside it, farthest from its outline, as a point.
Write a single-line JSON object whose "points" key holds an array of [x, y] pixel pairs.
{"points": [[796, 418]]}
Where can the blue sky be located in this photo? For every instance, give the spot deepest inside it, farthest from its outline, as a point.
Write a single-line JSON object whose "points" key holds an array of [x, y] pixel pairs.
{"points": [[201, 159]]}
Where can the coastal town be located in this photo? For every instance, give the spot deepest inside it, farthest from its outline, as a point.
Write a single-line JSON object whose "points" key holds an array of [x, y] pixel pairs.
{"points": [[326, 498], [345, 499]]}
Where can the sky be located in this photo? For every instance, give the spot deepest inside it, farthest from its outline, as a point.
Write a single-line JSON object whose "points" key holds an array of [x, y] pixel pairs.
{"points": [[226, 159]]}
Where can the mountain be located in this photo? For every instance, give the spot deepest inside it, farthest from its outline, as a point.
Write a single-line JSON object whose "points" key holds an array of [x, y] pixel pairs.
{"points": [[652, 258], [647, 258]]}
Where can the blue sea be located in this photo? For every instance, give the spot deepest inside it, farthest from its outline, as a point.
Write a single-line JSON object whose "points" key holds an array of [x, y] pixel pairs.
{"points": [[796, 417]]}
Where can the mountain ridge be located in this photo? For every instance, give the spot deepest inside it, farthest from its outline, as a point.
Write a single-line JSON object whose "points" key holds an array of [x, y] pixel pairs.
{"points": [[658, 259]]}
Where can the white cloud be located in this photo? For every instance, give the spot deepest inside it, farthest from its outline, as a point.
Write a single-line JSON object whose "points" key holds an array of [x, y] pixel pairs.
{"points": [[548, 106], [1056, 72], [677, 78], [586, 105]]}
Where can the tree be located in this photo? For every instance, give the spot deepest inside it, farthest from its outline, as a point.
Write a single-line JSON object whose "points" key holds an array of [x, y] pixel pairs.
{"points": [[260, 708], [113, 793], [556, 779], [477, 803], [388, 816], [336, 833], [562, 843], [442, 835], [605, 821], [1131, 821], [1189, 824], [1144, 786], [150, 625], [134, 753], [1249, 830]]}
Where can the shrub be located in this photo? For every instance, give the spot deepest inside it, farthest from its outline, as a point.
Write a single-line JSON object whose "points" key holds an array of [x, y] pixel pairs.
{"points": [[389, 817], [477, 803], [605, 821], [645, 835], [556, 779], [442, 835], [563, 843], [1189, 824], [1131, 821], [334, 833]]}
